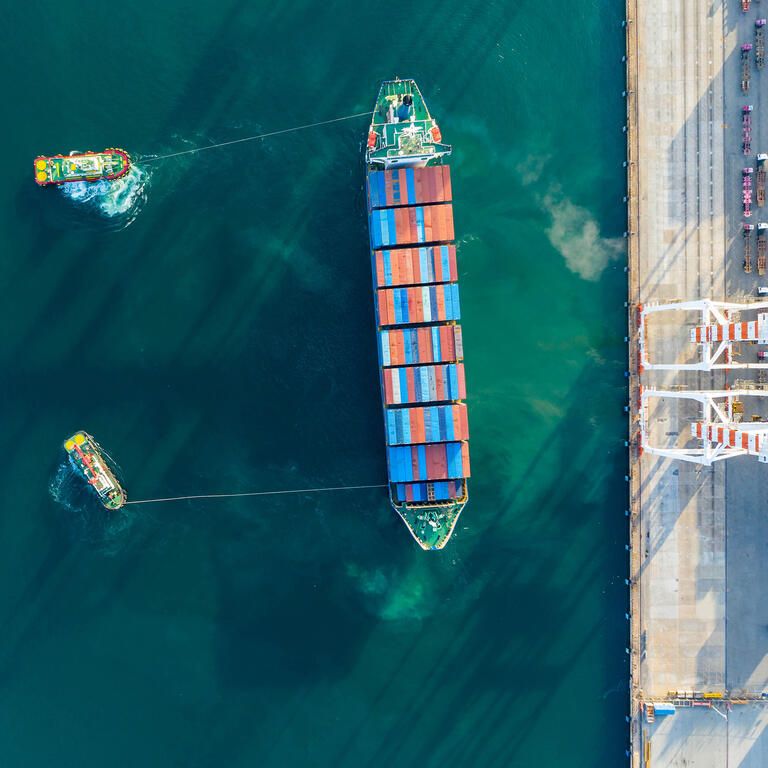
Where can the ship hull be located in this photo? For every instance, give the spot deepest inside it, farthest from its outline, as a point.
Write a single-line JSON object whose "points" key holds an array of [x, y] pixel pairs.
{"points": [[108, 165], [88, 460], [430, 526], [416, 306]]}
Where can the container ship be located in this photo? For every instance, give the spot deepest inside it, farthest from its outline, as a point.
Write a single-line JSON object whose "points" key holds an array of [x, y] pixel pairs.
{"points": [[108, 165], [416, 301], [86, 457]]}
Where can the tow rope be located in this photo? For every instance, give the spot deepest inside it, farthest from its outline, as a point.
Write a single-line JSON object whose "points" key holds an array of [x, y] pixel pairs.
{"points": [[258, 493], [253, 138]]}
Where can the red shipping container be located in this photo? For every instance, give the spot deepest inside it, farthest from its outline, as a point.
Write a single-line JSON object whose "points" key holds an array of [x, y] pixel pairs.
{"points": [[418, 295], [444, 226], [393, 357], [421, 434], [465, 459], [429, 185], [415, 463], [383, 309], [456, 419], [460, 424], [411, 379], [439, 383], [379, 269], [453, 271], [461, 380], [413, 310], [436, 462], [400, 349], [440, 294], [403, 226], [413, 229], [425, 345], [386, 379], [446, 342], [410, 273], [445, 183]]}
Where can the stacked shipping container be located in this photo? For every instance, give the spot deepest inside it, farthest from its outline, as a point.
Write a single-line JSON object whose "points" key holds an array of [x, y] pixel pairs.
{"points": [[424, 304], [420, 347], [411, 225], [424, 384], [433, 344], [410, 186], [415, 266]]}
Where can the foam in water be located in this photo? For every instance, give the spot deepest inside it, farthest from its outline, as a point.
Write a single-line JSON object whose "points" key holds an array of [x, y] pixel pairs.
{"points": [[122, 197], [85, 518]]}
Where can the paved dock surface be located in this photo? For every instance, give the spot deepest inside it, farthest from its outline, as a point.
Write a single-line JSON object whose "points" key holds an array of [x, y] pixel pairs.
{"points": [[700, 535]]}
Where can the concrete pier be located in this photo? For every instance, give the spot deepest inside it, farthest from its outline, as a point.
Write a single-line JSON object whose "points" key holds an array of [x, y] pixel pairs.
{"points": [[699, 535]]}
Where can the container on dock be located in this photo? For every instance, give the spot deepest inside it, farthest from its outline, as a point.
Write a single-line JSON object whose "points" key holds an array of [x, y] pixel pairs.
{"points": [[427, 424], [411, 226], [438, 461], [409, 186], [415, 266], [423, 384], [424, 304], [411, 346]]}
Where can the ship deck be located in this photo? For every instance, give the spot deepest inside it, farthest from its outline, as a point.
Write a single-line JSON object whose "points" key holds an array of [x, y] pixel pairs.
{"points": [[414, 132], [90, 166], [416, 304]]}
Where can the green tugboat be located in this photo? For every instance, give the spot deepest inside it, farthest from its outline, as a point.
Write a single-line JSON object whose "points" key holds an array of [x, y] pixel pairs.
{"points": [[108, 165], [86, 457], [416, 302]]}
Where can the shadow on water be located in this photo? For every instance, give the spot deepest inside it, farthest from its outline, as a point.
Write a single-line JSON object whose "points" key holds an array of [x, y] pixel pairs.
{"points": [[227, 380], [488, 670], [83, 519]]}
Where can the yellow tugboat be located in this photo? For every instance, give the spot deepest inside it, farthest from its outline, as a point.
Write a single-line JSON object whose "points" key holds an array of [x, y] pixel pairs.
{"points": [[86, 457], [108, 165]]}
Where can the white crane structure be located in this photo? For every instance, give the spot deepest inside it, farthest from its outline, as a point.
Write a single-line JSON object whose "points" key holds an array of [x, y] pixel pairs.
{"points": [[719, 431], [714, 336]]}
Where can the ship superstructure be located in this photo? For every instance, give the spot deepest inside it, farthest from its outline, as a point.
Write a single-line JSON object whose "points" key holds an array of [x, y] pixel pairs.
{"points": [[416, 299]]}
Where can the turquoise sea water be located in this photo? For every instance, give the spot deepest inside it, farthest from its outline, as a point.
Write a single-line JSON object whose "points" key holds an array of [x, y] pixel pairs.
{"points": [[219, 336]]}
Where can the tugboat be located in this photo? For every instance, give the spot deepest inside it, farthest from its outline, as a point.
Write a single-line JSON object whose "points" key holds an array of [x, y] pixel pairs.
{"points": [[108, 165], [416, 304], [85, 455]]}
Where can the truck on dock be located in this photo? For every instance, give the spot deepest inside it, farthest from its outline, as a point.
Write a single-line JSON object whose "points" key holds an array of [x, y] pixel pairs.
{"points": [[746, 129], [762, 245], [745, 5], [760, 43], [760, 178], [746, 191], [747, 234], [745, 50]]}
